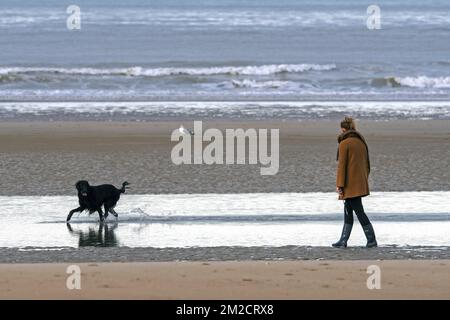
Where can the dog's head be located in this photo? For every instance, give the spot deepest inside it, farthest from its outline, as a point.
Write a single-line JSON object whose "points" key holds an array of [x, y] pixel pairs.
{"points": [[82, 187]]}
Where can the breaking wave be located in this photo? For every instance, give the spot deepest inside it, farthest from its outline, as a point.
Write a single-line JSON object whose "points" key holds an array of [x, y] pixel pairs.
{"points": [[248, 83], [170, 71], [425, 82], [413, 82]]}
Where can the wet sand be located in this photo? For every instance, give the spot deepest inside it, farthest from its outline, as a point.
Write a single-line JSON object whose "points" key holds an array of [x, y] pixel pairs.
{"points": [[224, 253], [229, 280], [47, 158]]}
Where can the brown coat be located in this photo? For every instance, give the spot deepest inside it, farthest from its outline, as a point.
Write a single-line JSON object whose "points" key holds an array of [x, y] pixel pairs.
{"points": [[353, 165]]}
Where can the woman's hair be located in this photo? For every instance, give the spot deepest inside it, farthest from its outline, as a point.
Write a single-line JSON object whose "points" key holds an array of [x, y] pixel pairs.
{"points": [[348, 123]]}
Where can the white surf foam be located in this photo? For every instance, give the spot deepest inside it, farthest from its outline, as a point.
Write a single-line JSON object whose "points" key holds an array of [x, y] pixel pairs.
{"points": [[424, 82], [249, 83], [294, 109], [171, 71]]}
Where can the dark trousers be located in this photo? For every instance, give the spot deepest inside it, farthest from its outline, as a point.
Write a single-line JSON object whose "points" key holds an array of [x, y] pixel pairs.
{"points": [[355, 205]]}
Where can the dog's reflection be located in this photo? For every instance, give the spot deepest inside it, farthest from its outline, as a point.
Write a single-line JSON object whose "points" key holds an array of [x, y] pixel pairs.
{"points": [[103, 236]]}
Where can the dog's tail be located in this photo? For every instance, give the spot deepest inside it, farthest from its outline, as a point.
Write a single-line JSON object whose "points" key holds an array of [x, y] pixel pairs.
{"points": [[124, 187]]}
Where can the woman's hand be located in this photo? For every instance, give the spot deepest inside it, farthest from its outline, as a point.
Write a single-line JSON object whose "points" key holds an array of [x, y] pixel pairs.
{"points": [[340, 190]]}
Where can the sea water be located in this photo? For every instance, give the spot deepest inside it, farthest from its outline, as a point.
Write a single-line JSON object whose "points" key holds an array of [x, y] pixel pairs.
{"points": [[224, 50], [190, 220]]}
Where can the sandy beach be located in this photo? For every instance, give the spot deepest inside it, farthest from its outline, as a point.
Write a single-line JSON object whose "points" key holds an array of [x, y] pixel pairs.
{"points": [[139, 152], [229, 280], [47, 158]]}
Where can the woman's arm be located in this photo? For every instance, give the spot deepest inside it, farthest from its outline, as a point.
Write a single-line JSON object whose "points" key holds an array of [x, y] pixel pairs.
{"points": [[342, 165]]}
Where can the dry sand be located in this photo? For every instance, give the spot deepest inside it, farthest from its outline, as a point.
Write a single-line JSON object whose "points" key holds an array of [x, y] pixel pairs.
{"points": [[229, 280], [47, 158]]}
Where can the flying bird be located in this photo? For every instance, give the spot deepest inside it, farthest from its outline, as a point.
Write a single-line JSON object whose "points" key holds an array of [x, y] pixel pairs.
{"points": [[183, 130]]}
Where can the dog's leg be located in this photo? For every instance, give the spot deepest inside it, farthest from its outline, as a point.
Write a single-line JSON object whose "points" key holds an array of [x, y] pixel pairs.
{"points": [[69, 227], [100, 214], [114, 212], [79, 209], [106, 211]]}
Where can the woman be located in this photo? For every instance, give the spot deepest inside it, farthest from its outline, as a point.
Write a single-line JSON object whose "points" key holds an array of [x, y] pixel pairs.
{"points": [[352, 181]]}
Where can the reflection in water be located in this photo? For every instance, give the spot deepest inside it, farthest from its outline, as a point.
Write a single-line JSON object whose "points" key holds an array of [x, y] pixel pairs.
{"points": [[103, 237]]}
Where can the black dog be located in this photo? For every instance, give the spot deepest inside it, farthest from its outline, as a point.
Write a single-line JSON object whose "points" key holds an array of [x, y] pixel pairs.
{"points": [[92, 198]]}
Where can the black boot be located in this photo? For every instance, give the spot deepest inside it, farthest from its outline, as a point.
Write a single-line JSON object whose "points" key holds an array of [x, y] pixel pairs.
{"points": [[370, 235], [342, 243]]}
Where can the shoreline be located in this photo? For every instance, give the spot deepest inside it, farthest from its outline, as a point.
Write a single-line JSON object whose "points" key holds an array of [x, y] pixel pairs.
{"points": [[225, 111], [150, 254]]}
